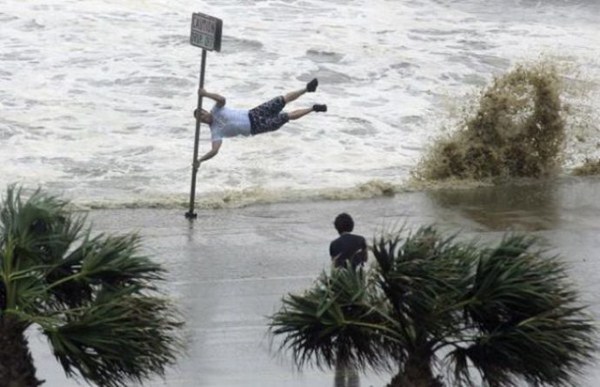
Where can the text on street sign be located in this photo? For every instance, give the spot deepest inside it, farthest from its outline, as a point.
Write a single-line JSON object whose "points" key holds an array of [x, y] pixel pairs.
{"points": [[206, 32]]}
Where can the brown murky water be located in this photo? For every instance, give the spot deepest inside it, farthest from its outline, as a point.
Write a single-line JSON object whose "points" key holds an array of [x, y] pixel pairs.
{"points": [[230, 268]]}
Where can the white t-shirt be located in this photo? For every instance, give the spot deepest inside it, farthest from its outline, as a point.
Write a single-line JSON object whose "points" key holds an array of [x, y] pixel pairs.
{"points": [[227, 122]]}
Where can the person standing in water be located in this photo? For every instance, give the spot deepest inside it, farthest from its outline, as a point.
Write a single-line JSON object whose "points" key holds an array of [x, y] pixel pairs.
{"points": [[348, 250], [267, 117]]}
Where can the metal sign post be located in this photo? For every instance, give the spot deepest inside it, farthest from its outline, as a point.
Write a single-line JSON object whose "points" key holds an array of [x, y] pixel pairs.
{"points": [[206, 34]]}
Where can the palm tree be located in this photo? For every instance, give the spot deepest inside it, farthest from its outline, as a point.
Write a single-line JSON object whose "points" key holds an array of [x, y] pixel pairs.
{"points": [[437, 309], [95, 298]]}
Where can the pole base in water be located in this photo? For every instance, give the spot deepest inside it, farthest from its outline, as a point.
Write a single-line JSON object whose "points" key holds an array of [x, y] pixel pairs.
{"points": [[191, 215]]}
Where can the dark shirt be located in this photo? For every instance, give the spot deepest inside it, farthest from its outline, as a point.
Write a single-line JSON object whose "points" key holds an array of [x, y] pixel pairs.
{"points": [[348, 247]]}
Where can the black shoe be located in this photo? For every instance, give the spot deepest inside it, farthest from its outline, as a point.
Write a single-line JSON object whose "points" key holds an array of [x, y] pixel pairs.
{"points": [[320, 108], [311, 86]]}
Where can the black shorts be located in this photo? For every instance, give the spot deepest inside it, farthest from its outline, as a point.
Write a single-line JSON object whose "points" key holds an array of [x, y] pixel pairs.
{"points": [[268, 116]]}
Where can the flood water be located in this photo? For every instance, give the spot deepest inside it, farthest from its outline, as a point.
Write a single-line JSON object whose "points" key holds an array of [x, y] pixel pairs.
{"points": [[230, 268], [96, 96]]}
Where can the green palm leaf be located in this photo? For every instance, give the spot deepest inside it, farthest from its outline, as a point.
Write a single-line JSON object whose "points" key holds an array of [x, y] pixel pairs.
{"points": [[95, 298], [338, 321], [123, 337], [527, 314]]}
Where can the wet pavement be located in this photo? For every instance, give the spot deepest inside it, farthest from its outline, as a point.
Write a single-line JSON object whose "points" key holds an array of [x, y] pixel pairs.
{"points": [[229, 269]]}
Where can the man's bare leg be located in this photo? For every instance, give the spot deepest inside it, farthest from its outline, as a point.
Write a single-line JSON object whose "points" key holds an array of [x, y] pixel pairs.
{"points": [[294, 115], [294, 95]]}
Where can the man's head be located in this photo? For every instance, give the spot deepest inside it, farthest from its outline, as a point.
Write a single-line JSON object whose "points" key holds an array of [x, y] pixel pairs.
{"points": [[205, 116], [343, 223]]}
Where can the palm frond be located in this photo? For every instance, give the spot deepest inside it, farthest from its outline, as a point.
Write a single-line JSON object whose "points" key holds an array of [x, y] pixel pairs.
{"points": [[516, 284], [548, 349], [527, 314], [124, 337], [95, 297], [423, 278], [34, 235], [32, 225], [339, 321], [115, 260]]}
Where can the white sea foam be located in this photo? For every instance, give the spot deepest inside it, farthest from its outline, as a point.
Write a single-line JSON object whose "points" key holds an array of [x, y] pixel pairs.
{"points": [[96, 96]]}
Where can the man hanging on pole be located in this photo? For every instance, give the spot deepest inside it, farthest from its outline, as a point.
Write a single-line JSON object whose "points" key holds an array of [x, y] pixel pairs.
{"points": [[267, 117]]}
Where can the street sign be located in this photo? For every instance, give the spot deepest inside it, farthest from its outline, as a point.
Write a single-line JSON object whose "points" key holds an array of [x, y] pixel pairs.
{"points": [[206, 32]]}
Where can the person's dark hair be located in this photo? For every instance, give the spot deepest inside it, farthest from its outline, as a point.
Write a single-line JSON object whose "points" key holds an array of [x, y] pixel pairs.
{"points": [[343, 223], [196, 111]]}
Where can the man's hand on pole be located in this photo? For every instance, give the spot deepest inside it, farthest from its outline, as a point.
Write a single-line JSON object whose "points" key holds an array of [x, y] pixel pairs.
{"points": [[196, 164]]}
